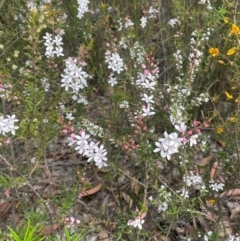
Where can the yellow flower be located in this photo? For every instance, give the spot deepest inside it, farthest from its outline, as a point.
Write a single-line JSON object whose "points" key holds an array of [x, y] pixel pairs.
{"points": [[219, 130], [220, 62], [232, 51], [226, 20], [213, 51], [211, 201], [237, 100], [233, 119], [228, 95], [235, 29]]}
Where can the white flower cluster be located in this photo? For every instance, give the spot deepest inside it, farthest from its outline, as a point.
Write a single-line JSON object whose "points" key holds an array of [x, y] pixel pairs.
{"points": [[233, 238], [179, 60], [74, 77], [162, 207], [128, 23], [124, 105], [163, 200], [147, 82], [123, 42], [197, 44], [136, 223], [208, 236], [203, 2], [93, 129], [193, 180], [114, 61], [168, 145], [82, 8], [91, 150], [177, 112], [215, 186], [137, 52], [174, 21], [151, 13], [143, 21], [8, 125], [53, 46], [45, 84], [203, 97], [80, 98]]}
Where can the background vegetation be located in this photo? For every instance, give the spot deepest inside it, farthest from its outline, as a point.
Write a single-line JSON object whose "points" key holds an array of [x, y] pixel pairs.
{"points": [[119, 120]]}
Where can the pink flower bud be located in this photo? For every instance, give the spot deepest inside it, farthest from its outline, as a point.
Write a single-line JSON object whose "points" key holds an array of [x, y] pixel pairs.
{"points": [[198, 131], [184, 140], [189, 132], [64, 131], [196, 123], [205, 124], [145, 72]]}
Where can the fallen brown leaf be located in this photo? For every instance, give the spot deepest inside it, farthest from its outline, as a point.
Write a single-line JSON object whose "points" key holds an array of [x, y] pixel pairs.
{"points": [[127, 198], [214, 170], [235, 211], [49, 229], [90, 191], [4, 207], [231, 192], [205, 161], [224, 228]]}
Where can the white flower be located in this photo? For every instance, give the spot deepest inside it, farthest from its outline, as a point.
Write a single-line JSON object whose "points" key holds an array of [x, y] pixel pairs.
{"points": [[148, 111], [202, 1], [181, 128], [143, 23], [174, 21], [137, 223], [185, 193], [69, 116], [8, 125], [58, 40], [168, 145], [148, 99], [187, 180], [74, 77], [82, 7], [149, 83], [128, 23], [193, 180], [163, 207], [58, 51], [114, 61], [100, 156], [216, 186], [72, 140], [112, 80], [233, 238], [90, 151], [51, 49], [124, 105], [193, 140]]}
